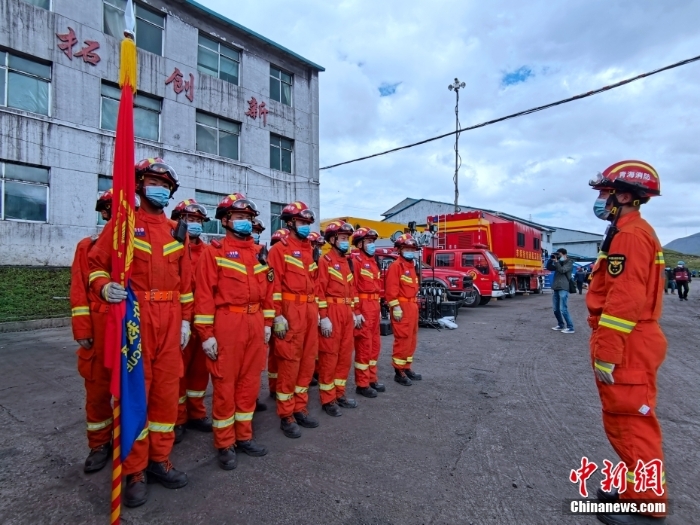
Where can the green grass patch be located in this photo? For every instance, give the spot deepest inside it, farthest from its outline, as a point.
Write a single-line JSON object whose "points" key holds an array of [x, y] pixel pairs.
{"points": [[28, 293], [691, 261]]}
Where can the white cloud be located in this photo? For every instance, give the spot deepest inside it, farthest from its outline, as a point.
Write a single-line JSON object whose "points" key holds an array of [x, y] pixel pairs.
{"points": [[536, 165]]}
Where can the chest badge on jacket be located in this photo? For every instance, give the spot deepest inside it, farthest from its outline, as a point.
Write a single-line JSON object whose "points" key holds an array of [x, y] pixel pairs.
{"points": [[140, 232], [233, 255]]}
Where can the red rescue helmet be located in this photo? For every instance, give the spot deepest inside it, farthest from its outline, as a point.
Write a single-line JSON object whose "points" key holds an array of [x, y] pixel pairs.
{"points": [[364, 233], [189, 207], [279, 235], [405, 241], [156, 167], [316, 239], [258, 225], [334, 228], [633, 176], [297, 210], [236, 202], [104, 203]]}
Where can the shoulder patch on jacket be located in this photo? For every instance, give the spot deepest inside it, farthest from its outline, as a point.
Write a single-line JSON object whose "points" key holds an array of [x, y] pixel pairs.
{"points": [[271, 275], [616, 264]]}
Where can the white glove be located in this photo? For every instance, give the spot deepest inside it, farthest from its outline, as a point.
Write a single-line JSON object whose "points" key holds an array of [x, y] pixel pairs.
{"points": [[397, 312], [326, 327], [210, 348], [268, 333], [85, 343], [184, 334], [604, 372], [113, 293], [359, 319], [281, 326]]}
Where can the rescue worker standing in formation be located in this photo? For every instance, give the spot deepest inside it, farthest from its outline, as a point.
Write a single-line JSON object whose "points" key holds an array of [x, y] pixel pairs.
{"points": [[296, 319], [162, 281], [233, 315], [401, 291], [89, 319], [367, 336], [193, 385], [336, 300], [681, 275], [279, 236], [627, 345]]}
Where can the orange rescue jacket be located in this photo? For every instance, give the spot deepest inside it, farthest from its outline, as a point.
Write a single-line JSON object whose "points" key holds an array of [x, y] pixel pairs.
{"points": [[401, 282], [335, 281]]}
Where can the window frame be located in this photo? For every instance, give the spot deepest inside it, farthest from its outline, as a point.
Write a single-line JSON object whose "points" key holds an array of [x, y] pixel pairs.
{"points": [[218, 131], [220, 45], [5, 70], [291, 85], [520, 243], [198, 196], [138, 93], [3, 179], [50, 8], [536, 243], [137, 17], [276, 217], [100, 192], [279, 147]]}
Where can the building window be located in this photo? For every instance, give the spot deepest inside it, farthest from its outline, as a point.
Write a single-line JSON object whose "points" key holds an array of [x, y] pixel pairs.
{"points": [[149, 25], [217, 136], [536, 243], [281, 153], [104, 182], [45, 4], [24, 83], [210, 201], [146, 112], [280, 86], [275, 213], [218, 60], [521, 240], [24, 193]]}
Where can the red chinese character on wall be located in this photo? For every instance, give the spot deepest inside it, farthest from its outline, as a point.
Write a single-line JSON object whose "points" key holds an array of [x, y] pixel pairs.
{"points": [[581, 475], [88, 52], [256, 110], [68, 42], [180, 84]]}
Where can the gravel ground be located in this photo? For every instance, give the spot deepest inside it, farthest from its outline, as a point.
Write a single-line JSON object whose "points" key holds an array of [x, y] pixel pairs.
{"points": [[506, 409]]}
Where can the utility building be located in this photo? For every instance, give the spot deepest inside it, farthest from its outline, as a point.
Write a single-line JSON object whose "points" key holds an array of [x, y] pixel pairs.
{"points": [[229, 109]]}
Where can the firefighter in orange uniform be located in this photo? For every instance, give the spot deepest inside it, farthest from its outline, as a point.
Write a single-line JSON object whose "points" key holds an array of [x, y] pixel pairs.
{"points": [[162, 281], [627, 345], [401, 291], [279, 236], [367, 337], [88, 318], [192, 413], [296, 319], [233, 315], [317, 242], [336, 296]]}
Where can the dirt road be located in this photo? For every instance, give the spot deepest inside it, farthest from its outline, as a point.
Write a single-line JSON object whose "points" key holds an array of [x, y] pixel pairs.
{"points": [[506, 409]]}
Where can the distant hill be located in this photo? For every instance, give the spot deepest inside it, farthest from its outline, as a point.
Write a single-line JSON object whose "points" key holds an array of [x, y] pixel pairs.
{"points": [[689, 244]]}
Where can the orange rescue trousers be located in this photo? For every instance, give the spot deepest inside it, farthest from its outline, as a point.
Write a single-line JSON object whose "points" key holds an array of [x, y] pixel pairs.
{"points": [[405, 335], [91, 367], [335, 353], [367, 344], [629, 405], [193, 385], [272, 366]]}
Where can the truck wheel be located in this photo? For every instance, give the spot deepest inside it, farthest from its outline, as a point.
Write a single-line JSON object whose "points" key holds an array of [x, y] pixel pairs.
{"points": [[472, 299], [512, 289], [484, 300], [537, 290]]}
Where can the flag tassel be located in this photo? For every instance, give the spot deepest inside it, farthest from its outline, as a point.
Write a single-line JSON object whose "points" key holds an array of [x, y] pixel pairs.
{"points": [[127, 65]]}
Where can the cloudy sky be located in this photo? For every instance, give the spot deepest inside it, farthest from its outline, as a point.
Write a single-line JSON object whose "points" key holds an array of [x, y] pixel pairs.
{"points": [[388, 65]]}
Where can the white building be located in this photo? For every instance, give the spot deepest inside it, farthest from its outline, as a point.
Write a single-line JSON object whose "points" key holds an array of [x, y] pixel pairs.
{"points": [[229, 109], [578, 244]]}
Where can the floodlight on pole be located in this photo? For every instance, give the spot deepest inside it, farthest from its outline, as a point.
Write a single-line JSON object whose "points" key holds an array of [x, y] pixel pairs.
{"points": [[456, 86]]}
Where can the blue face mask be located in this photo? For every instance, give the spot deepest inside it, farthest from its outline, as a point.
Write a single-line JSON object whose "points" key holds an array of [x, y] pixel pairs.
{"points": [[409, 256], [256, 238], [304, 230], [157, 195], [599, 209], [194, 229], [242, 227], [343, 246], [370, 249]]}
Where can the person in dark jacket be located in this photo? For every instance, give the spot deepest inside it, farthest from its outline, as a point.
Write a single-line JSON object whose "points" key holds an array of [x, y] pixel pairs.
{"points": [[682, 276], [670, 281], [581, 277], [562, 266]]}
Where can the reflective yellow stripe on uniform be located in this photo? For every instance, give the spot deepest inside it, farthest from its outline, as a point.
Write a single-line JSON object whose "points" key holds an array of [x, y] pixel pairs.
{"points": [[80, 310], [284, 397], [98, 425], [631, 478], [222, 262], [372, 362], [97, 274], [615, 323], [276, 296], [313, 267], [393, 303], [366, 273], [398, 361], [660, 258], [172, 247], [272, 375], [196, 393], [335, 273], [294, 261], [243, 416], [326, 387], [182, 400], [409, 359], [361, 366], [142, 245], [300, 390], [603, 368], [323, 304], [223, 423], [203, 319], [350, 277], [160, 427], [143, 434], [186, 298], [269, 314], [340, 382], [406, 279], [259, 268]]}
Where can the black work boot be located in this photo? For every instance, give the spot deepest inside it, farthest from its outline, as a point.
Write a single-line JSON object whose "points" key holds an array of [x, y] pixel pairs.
{"points": [[165, 474], [290, 428], [251, 448], [401, 378], [273, 395], [260, 406], [332, 409], [412, 375], [97, 458], [202, 424], [227, 458], [314, 380], [305, 420], [179, 433], [366, 391], [607, 497], [379, 387], [346, 403], [136, 491], [629, 519]]}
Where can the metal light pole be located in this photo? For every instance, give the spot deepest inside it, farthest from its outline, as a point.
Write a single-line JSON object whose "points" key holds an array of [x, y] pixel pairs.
{"points": [[456, 86]]}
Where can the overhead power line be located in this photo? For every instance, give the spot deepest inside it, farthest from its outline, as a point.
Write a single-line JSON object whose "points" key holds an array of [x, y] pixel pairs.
{"points": [[522, 113]]}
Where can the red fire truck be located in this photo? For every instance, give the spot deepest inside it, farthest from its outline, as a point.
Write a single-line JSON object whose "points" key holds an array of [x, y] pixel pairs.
{"points": [[469, 242]]}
